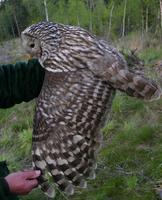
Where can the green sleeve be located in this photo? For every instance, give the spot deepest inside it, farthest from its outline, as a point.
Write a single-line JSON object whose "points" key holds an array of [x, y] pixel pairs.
{"points": [[20, 82], [4, 190]]}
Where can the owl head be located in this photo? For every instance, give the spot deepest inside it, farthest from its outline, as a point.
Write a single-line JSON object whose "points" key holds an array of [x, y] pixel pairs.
{"points": [[41, 39], [32, 45]]}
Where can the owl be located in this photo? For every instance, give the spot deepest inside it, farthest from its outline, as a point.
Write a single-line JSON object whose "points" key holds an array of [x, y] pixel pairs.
{"points": [[82, 74]]}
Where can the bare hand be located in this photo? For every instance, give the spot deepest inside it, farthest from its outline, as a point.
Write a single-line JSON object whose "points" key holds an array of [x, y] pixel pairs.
{"points": [[22, 183]]}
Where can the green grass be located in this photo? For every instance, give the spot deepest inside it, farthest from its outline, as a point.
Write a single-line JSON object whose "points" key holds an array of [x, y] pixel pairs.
{"points": [[16, 129], [151, 54], [129, 163]]}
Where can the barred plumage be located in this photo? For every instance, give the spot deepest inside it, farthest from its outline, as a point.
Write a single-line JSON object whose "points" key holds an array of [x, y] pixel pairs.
{"points": [[82, 74]]}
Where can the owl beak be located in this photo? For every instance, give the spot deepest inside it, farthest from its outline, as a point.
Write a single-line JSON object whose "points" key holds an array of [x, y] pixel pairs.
{"points": [[28, 57]]}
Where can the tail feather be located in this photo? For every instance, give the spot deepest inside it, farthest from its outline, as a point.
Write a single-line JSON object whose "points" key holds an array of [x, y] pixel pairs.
{"points": [[69, 163], [39, 164], [47, 189]]}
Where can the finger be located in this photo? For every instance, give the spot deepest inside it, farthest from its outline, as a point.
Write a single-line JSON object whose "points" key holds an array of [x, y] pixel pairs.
{"points": [[32, 183], [27, 170], [31, 174]]}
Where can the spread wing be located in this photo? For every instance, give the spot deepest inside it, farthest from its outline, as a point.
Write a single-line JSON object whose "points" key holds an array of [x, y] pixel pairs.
{"points": [[112, 67], [66, 132]]}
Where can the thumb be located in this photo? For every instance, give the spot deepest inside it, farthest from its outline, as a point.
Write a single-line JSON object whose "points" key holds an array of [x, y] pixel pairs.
{"points": [[32, 174]]}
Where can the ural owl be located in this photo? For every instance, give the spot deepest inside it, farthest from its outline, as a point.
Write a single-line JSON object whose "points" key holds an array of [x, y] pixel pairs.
{"points": [[82, 73]]}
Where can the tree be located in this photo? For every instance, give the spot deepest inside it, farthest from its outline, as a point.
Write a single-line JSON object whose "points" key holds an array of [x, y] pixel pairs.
{"points": [[160, 1], [13, 18], [110, 19], [46, 10], [124, 17], [107, 18], [78, 13]]}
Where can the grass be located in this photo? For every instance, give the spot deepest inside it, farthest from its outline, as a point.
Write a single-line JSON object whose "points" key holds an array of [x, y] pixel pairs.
{"points": [[130, 162], [151, 54], [129, 155]]}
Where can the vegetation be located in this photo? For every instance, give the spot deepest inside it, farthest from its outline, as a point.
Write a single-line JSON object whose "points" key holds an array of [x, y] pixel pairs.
{"points": [[129, 165], [107, 18], [130, 162]]}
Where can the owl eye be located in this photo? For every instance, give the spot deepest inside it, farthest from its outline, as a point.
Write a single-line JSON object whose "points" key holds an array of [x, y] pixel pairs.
{"points": [[32, 45]]}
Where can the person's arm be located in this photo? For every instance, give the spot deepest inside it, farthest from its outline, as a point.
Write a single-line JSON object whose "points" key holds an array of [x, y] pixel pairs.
{"points": [[18, 183], [20, 82], [22, 182], [4, 189]]}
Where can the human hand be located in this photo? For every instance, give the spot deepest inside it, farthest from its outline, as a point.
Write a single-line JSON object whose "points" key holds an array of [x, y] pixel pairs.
{"points": [[22, 183]]}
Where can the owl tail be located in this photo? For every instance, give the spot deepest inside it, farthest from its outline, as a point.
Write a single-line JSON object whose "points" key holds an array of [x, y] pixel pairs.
{"points": [[69, 169], [46, 187], [135, 85], [39, 164]]}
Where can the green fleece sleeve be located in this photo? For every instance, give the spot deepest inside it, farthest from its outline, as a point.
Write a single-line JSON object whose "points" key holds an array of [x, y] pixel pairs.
{"points": [[20, 82], [4, 190]]}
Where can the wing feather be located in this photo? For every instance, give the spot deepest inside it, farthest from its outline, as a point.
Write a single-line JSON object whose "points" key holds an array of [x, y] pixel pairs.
{"points": [[71, 128], [112, 67]]}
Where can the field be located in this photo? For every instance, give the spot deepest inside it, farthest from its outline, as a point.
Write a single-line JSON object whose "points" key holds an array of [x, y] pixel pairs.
{"points": [[130, 162]]}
